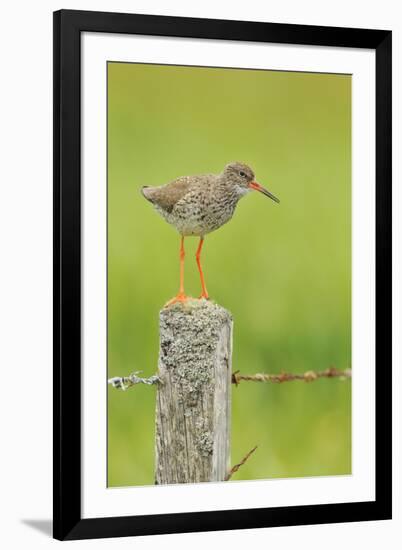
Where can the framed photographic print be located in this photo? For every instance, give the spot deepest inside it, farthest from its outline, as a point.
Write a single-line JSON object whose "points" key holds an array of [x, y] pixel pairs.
{"points": [[222, 265]]}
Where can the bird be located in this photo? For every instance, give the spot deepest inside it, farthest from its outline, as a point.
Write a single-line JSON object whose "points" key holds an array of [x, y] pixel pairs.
{"points": [[197, 205]]}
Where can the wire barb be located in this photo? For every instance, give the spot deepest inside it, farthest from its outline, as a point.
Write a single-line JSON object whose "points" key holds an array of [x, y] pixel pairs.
{"points": [[123, 383]]}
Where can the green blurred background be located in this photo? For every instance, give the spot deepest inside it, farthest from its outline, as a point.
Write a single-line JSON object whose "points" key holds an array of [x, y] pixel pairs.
{"points": [[284, 271]]}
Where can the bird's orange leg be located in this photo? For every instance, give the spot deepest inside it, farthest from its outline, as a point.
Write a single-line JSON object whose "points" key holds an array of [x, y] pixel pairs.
{"points": [[198, 258], [182, 256], [181, 296]]}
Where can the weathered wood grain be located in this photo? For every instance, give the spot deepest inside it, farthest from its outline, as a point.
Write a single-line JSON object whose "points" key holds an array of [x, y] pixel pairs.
{"points": [[194, 397]]}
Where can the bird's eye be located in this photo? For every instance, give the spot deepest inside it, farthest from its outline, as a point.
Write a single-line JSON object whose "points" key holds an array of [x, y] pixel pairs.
{"points": [[242, 174]]}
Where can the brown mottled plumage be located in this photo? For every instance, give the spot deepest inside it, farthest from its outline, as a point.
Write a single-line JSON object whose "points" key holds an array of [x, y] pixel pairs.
{"points": [[197, 205]]}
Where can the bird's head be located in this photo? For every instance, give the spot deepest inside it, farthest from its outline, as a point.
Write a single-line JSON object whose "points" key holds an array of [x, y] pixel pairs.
{"points": [[242, 177]]}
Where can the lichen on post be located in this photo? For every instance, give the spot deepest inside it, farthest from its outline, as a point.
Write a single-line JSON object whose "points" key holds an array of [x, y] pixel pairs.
{"points": [[193, 398]]}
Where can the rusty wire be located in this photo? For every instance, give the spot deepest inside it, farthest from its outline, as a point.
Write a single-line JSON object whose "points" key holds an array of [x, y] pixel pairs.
{"points": [[124, 383], [309, 376], [237, 466]]}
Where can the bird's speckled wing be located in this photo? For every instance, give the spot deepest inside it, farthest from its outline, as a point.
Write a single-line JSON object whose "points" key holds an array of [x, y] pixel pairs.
{"points": [[167, 196]]}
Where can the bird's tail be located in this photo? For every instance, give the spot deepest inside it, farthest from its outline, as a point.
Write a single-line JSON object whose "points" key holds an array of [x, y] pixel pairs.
{"points": [[147, 192]]}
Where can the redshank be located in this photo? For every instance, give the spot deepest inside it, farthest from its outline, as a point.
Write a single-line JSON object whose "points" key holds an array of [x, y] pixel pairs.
{"points": [[197, 205]]}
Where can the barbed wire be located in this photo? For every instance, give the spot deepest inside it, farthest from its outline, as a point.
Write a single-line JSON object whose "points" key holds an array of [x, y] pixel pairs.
{"points": [[125, 382], [237, 466], [309, 376]]}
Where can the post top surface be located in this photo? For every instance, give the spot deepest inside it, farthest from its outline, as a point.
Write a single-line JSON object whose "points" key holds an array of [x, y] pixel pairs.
{"points": [[196, 308]]}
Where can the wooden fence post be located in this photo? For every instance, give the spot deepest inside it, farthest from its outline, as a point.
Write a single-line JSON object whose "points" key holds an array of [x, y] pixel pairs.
{"points": [[193, 405]]}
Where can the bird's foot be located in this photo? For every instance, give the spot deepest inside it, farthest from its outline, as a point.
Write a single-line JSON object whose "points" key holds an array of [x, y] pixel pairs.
{"points": [[181, 297], [204, 295]]}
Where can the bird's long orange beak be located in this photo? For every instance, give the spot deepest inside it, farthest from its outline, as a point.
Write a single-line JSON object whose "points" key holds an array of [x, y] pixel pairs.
{"points": [[257, 187]]}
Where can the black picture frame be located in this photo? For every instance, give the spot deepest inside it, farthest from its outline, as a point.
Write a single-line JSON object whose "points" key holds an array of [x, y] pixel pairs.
{"points": [[68, 26]]}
